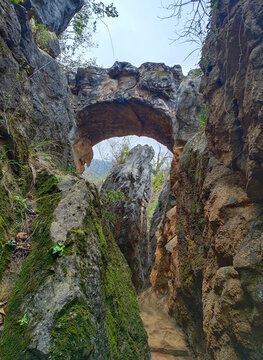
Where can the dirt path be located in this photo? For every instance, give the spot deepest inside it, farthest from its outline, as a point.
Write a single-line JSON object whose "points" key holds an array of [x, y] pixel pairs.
{"points": [[166, 340]]}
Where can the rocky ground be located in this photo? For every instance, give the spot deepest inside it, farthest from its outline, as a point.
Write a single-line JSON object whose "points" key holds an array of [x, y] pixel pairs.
{"points": [[166, 340]]}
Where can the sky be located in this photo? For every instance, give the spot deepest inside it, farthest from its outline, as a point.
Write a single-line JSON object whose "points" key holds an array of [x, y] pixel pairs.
{"points": [[103, 149], [140, 35]]}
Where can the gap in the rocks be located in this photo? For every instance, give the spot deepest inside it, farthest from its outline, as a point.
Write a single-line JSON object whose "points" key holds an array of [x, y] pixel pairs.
{"points": [[109, 152], [166, 340], [105, 154]]}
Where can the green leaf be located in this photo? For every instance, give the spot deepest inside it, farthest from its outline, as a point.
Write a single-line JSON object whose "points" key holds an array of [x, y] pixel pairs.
{"points": [[58, 249], [23, 321]]}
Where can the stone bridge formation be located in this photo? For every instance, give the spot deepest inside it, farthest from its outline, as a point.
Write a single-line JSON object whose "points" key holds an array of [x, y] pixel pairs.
{"points": [[153, 100]]}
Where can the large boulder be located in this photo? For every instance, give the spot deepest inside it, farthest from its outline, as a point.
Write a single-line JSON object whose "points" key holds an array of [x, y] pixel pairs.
{"points": [[74, 298]]}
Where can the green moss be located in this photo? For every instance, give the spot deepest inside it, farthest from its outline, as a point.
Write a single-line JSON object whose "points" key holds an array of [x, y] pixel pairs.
{"points": [[196, 73], [46, 184], [3, 234], [5, 207], [6, 220], [65, 270], [37, 267], [73, 332], [93, 225], [126, 334], [103, 242], [22, 151], [5, 251], [187, 278], [25, 179], [162, 73]]}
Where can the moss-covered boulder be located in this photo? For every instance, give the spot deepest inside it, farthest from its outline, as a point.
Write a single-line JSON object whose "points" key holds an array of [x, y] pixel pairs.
{"points": [[74, 298]]}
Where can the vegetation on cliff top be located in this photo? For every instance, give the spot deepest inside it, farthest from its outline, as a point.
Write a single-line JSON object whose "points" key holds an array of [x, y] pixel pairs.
{"points": [[76, 40]]}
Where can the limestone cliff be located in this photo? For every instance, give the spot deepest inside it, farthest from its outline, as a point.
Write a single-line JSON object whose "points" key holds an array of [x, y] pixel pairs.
{"points": [[232, 63], [65, 287], [213, 270]]}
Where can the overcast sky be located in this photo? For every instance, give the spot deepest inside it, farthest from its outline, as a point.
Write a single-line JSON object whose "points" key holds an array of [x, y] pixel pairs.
{"points": [[140, 35]]}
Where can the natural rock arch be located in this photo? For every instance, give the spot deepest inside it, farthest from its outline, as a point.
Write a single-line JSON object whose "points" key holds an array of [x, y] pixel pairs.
{"points": [[153, 100]]}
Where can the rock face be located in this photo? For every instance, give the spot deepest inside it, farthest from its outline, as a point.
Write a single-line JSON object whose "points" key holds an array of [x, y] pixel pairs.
{"points": [[208, 258], [34, 96], [56, 15], [232, 63], [163, 230], [212, 273], [153, 100], [216, 223], [158, 236], [78, 303], [127, 191]]}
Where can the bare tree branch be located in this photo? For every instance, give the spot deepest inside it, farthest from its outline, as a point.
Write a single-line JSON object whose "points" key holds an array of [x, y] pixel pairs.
{"points": [[194, 14]]}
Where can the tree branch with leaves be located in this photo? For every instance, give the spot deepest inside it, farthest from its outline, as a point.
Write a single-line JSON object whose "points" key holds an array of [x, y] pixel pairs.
{"points": [[77, 39]]}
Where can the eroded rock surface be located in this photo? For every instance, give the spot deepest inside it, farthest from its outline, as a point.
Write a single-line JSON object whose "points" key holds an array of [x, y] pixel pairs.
{"points": [[213, 269], [232, 63], [34, 96], [66, 292], [129, 185], [153, 100], [158, 236], [218, 220], [209, 243], [56, 15]]}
